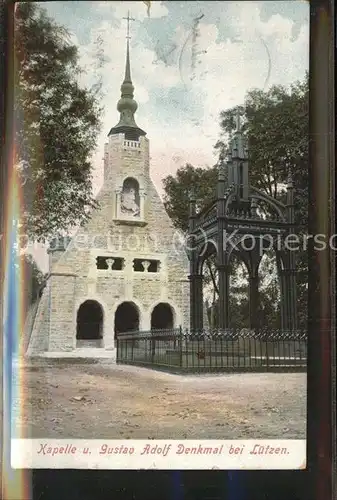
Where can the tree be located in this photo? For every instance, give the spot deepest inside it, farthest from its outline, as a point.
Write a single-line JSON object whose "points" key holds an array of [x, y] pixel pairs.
{"points": [[57, 123], [34, 278], [269, 295], [177, 189], [277, 125]]}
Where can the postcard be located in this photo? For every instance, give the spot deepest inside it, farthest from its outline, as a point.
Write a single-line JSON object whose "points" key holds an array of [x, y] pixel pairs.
{"points": [[157, 300]]}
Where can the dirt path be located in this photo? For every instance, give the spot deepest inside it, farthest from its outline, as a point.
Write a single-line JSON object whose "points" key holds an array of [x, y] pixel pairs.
{"points": [[114, 402]]}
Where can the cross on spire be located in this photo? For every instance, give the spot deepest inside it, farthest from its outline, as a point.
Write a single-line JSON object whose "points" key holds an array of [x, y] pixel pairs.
{"points": [[128, 19]]}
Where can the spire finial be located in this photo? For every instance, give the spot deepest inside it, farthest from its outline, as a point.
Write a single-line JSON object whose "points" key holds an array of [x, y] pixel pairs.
{"points": [[222, 171], [290, 180], [192, 194], [128, 19], [127, 65], [238, 144], [238, 120]]}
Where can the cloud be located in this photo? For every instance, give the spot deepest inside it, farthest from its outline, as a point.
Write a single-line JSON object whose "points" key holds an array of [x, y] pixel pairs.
{"points": [[182, 85]]}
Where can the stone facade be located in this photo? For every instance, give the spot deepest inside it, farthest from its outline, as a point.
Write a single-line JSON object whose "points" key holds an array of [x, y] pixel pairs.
{"points": [[128, 252]]}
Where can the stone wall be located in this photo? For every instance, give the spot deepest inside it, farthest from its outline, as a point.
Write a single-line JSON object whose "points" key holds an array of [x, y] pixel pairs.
{"points": [[39, 338]]}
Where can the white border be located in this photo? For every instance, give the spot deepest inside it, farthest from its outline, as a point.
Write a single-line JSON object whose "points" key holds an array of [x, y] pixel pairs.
{"points": [[157, 454]]}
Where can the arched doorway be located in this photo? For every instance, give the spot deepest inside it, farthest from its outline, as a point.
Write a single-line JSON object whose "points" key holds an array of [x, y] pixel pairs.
{"points": [[162, 317], [89, 325], [126, 318]]}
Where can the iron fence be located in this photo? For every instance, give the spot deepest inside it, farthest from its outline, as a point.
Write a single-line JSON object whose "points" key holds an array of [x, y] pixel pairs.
{"points": [[229, 350]]}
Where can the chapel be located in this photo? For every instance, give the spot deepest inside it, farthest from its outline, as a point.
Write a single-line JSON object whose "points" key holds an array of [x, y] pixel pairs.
{"points": [[126, 269]]}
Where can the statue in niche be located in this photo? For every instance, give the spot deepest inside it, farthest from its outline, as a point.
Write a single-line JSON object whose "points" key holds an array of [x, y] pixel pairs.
{"points": [[130, 204]]}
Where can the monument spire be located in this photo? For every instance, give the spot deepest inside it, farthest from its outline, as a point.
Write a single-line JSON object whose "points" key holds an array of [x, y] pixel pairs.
{"points": [[127, 106], [238, 146]]}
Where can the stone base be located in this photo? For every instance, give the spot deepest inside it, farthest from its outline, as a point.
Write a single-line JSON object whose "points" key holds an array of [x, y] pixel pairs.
{"points": [[88, 353]]}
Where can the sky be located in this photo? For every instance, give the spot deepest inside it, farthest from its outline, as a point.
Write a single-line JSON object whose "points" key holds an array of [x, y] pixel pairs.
{"points": [[189, 61]]}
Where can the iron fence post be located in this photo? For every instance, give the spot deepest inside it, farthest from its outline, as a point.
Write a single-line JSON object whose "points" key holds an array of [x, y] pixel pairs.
{"points": [[180, 347], [153, 347]]}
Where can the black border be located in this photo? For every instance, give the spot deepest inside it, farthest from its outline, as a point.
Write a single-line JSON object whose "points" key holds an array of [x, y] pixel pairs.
{"points": [[318, 482], [321, 220]]}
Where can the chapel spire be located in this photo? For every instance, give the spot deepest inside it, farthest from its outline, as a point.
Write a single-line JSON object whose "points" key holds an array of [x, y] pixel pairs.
{"points": [[127, 106]]}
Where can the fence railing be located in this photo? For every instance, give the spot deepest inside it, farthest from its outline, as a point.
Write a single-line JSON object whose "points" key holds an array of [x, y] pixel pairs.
{"points": [[210, 351]]}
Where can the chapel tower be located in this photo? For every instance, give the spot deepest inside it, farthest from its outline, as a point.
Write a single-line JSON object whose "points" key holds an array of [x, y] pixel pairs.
{"points": [[126, 153]]}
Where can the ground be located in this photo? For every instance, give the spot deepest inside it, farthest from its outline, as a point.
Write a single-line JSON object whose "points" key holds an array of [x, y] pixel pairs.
{"points": [[103, 400]]}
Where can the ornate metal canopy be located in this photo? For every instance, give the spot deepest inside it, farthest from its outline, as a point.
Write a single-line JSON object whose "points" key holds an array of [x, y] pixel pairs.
{"points": [[242, 221]]}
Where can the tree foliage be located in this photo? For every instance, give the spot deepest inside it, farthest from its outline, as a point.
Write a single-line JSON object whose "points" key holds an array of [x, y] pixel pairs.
{"points": [[178, 187], [56, 125], [34, 278], [269, 293]]}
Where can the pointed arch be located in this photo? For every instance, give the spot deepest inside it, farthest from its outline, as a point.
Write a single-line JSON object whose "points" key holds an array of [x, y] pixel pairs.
{"points": [[206, 250]]}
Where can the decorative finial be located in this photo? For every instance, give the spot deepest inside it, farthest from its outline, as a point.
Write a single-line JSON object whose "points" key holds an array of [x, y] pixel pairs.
{"points": [[192, 194], [229, 153], [222, 171], [290, 183], [253, 207], [246, 149], [238, 143], [237, 121]]}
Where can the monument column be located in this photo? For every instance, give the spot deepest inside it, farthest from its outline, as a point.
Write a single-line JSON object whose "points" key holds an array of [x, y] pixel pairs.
{"points": [[223, 270], [284, 282], [222, 265], [254, 302], [291, 290], [195, 277], [196, 300]]}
